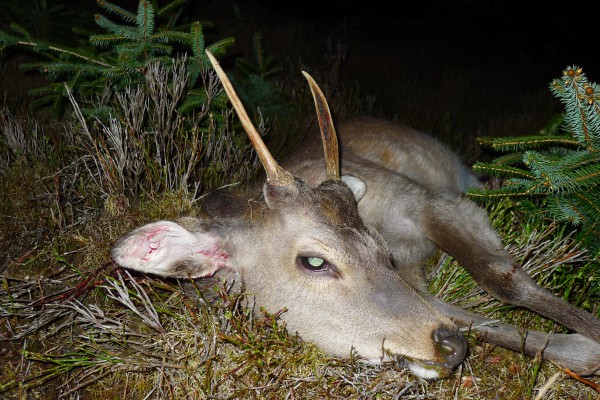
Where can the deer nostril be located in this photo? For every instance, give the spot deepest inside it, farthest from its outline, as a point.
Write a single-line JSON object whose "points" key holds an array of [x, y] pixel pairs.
{"points": [[452, 345]]}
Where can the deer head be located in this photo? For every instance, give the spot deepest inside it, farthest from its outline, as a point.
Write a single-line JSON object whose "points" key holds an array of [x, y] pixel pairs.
{"points": [[307, 250]]}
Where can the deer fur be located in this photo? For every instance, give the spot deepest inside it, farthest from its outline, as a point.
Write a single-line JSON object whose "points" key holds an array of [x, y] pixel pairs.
{"points": [[343, 252], [417, 206]]}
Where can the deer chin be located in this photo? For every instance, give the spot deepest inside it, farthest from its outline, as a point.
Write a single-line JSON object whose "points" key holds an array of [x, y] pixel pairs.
{"points": [[425, 369]]}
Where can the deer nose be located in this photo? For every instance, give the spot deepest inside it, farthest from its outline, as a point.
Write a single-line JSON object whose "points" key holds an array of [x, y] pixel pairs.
{"points": [[452, 346]]}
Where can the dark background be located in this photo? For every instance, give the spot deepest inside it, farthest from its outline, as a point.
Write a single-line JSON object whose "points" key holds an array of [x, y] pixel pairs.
{"points": [[459, 68], [543, 36]]}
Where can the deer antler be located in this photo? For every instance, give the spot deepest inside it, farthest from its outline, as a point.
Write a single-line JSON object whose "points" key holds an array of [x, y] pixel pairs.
{"points": [[276, 175], [328, 135]]}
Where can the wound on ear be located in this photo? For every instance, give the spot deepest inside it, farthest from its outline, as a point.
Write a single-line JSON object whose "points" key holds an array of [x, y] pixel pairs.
{"points": [[167, 249]]}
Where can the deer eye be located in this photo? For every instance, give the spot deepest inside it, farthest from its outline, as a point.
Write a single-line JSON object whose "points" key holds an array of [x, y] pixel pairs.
{"points": [[314, 264]]}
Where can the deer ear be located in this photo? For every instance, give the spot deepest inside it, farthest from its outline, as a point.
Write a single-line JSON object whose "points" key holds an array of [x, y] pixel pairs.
{"points": [[356, 185], [167, 249]]}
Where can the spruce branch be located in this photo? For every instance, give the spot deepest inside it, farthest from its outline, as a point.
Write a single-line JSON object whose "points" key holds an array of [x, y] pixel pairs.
{"points": [[124, 14], [501, 170], [556, 172], [145, 19], [580, 98], [40, 46], [527, 142], [120, 55]]}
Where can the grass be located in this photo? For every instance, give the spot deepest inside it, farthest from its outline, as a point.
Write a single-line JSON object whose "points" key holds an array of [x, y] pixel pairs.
{"points": [[76, 326], [111, 334]]}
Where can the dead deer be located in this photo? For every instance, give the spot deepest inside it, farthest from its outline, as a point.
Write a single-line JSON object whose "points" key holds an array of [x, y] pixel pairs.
{"points": [[344, 254]]}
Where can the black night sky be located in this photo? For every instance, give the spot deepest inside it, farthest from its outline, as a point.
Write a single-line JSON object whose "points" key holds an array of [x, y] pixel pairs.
{"points": [[495, 53], [482, 62], [551, 34]]}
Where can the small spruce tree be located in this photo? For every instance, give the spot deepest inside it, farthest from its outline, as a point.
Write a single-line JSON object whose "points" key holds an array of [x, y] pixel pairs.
{"points": [[119, 57], [556, 173], [149, 115]]}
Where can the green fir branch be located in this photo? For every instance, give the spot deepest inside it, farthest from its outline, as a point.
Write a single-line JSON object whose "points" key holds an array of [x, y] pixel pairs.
{"points": [[501, 170], [145, 19], [557, 172], [500, 193], [527, 142], [40, 46], [122, 13], [119, 56], [121, 31], [580, 98]]}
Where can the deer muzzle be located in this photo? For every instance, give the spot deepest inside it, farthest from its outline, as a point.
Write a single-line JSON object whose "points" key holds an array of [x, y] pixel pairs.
{"points": [[451, 349]]}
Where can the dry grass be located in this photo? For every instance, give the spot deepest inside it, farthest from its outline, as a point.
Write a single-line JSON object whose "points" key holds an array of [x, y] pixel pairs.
{"points": [[76, 326]]}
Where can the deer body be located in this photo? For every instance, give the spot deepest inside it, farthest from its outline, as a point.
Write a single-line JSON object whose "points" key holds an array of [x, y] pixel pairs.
{"points": [[413, 197], [343, 253]]}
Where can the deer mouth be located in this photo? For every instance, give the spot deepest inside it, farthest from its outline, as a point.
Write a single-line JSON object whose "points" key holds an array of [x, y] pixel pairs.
{"points": [[425, 369], [450, 351]]}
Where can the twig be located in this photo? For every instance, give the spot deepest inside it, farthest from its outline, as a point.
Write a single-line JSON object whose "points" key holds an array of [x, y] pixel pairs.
{"points": [[587, 382], [82, 288]]}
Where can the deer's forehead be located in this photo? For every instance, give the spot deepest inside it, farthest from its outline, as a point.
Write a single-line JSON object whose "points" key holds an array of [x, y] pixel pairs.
{"points": [[333, 206], [339, 213], [337, 226]]}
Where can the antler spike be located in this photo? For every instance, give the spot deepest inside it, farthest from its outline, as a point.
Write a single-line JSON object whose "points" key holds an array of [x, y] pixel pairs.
{"points": [[328, 135], [276, 175]]}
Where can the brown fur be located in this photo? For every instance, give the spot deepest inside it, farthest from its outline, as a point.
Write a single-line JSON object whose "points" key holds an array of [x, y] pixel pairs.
{"points": [[368, 293]]}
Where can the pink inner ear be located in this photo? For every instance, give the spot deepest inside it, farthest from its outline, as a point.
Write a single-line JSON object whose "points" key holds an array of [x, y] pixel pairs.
{"points": [[165, 248], [150, 242]]}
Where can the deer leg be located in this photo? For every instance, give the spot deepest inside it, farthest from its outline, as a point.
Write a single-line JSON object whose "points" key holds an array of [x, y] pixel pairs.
{"points": [[462, 229], [573, 351]]}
